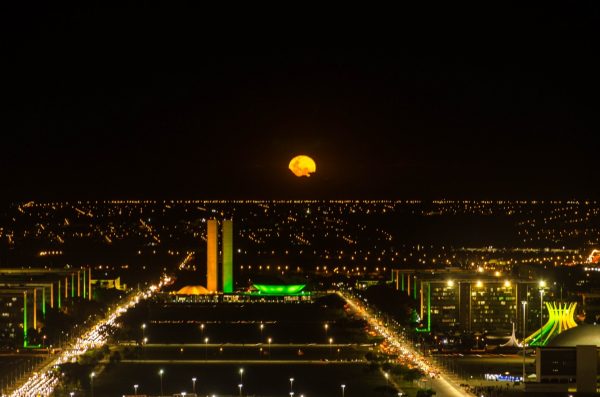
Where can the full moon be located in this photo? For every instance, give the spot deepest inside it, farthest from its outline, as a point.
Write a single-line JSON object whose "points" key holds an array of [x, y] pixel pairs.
{"points": [[302, 165]]}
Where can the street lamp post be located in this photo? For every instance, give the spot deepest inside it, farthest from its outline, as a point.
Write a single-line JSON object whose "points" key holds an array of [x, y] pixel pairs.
{"points": [[542, 286], [92, 375], [194, 385], [291, 385], [135, 387], [343, 389], [160, 374], [270, 340], [240, 386], [524, 303], [144, 339], [241, 375], [330, 342], [541, 307], [206, 348]]}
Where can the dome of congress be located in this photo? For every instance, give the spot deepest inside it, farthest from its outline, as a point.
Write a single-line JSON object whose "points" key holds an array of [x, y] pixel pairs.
{"points": [[193, 290]]}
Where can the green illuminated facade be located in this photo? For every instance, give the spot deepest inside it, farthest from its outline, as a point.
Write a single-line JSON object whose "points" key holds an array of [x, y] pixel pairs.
{"points": [[44, 302], [22, 306], [415, 288], [25, 319], [227, 233], [274, 289], [428, 328]]}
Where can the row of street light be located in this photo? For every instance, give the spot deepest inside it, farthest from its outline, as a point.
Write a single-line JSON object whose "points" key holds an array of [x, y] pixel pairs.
{"points": [[161, 372], [261, 327]]}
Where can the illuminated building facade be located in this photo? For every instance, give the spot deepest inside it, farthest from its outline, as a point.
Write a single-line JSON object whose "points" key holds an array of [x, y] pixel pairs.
{"points": [[444, 306], [211, 255], [282, 293], [11, 318], [569, 362], [227, 233], [461, 300], [279, 289], [212, 250], [493, 304], [27, 294], [110, 283]]}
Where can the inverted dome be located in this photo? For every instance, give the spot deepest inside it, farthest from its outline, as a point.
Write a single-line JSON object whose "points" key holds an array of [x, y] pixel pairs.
{"points": [[272, 289], [585, 334]]}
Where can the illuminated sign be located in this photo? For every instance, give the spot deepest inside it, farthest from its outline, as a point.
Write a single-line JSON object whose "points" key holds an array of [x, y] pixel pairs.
{"points": [[504, 378]]}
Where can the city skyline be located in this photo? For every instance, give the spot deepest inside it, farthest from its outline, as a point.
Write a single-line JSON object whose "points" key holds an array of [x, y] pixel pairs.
{"points": [[270, 201]]}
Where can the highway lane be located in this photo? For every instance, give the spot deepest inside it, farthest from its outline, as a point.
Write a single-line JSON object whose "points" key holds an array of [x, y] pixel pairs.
{"points": [[42, 383], [439, 381], [446, 388]]}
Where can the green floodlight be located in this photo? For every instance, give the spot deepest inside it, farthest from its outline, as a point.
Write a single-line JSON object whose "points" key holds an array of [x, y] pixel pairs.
{"points": [[428, 329], [279, 289]]}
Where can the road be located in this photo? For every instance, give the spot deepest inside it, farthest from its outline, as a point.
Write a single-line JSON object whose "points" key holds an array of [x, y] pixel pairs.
{"points": [[42, 383], [440, 382], [445, 388]]}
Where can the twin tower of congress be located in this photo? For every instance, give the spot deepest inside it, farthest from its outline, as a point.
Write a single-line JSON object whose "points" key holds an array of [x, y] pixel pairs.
{"points": [[212, 251]]}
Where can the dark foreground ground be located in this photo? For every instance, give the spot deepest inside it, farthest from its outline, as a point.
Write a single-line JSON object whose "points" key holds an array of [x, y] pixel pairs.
{"points": [[318, 371], [320, 380]]}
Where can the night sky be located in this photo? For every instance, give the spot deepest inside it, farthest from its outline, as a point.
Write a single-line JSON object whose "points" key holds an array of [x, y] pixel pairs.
{"points": [[181, 103]]}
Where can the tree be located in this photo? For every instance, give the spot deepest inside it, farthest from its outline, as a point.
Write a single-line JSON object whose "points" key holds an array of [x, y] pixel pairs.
{"points": [[33, 337], [394, 303], [114, 359], [412, 374]]}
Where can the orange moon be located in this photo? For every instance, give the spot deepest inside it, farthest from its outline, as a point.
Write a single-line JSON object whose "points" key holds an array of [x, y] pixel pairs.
{"points": [[302, 166]]}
